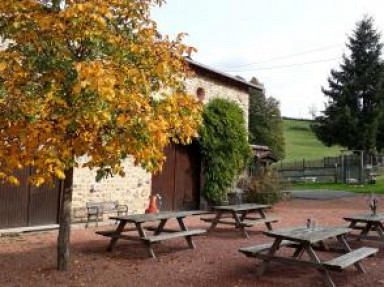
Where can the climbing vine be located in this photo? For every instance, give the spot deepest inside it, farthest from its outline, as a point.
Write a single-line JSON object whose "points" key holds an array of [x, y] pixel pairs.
{"points": [[224, 146]]}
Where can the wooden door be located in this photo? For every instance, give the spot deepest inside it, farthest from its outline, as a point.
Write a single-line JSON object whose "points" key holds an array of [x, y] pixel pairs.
{"points": [[164, 182], [44, 204], [25, 205], [179, 181], [14, 202], [187, 177]]}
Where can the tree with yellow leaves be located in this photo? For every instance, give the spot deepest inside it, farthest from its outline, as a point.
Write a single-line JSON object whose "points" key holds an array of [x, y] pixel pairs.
{"points": [[88, 78]]}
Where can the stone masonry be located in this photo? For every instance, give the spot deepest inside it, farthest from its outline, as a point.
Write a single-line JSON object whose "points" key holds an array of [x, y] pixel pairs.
{"points": [[215, 88], [134, 189]]}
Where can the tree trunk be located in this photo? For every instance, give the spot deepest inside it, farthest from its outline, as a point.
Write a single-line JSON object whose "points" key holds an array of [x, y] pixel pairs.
{"points": [[63, 242]]}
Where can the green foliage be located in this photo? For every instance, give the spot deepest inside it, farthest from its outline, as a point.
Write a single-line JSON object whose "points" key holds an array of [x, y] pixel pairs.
{"points": [[224, 145], [377, 188], [263, 187], [265, 122], [356, 94], [301, 142]]}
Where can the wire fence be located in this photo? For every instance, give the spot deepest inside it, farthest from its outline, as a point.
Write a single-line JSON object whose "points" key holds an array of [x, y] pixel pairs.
{"points": [[352, 168]]}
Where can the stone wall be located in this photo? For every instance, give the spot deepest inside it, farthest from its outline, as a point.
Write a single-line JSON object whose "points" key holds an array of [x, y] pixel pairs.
{"points": [[132, 190], [135, 188], [215, 88]]}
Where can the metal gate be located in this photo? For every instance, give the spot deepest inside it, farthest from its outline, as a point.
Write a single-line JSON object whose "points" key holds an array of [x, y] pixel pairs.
{"points": [[25, 205], [179, 181]]}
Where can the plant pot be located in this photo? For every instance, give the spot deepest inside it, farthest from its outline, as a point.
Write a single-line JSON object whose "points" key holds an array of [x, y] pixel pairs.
{"points": [[152, 208]]}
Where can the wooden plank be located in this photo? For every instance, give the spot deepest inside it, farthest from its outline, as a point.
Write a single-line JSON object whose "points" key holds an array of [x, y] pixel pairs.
{"points": [[167, 236], [350, 258], [307, 235], [108, 233], [359, 227], [141, 218], [241, 207], [379, 217], [245, 222], [250, 223], [252, 250], [169, 230]]}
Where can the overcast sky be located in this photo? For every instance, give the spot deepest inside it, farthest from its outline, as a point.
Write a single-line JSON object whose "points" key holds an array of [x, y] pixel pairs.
{"points": [[290, 46]]}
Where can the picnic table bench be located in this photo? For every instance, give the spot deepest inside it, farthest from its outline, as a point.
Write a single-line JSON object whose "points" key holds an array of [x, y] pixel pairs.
{"points": [[367, 223], [304, 239], [238, 216], [160, 232]]}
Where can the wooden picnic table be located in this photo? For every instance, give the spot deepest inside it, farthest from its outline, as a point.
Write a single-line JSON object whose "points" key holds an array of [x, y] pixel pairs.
{"points": [[160, 232], [239, 216], [304, 239], [367, 223]]}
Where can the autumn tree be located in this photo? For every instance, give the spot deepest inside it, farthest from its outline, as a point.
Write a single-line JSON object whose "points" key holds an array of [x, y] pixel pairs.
{"points": [[90, 79]]}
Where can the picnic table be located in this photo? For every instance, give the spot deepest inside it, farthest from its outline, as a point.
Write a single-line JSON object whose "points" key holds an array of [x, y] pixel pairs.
{"points": [[160, 232], [367, 223], [304, 239], [238, 216]]}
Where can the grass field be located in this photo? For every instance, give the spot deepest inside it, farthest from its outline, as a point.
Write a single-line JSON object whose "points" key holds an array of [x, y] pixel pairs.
{"points": [[301, 142], [367, 188]]}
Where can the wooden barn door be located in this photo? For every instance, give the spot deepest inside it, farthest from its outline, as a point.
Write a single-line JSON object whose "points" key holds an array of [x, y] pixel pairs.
{"points": [[26, 205], [14, 202], [179, 181], [44, 203]]}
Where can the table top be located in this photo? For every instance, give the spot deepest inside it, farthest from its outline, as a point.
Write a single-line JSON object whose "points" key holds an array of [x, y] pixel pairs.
{"points": [[308, 235], [367, 217], [141, 218], [241, 207]]}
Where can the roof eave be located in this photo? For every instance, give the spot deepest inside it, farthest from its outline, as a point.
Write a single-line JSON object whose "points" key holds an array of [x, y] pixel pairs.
{"points": [[225, 75]]}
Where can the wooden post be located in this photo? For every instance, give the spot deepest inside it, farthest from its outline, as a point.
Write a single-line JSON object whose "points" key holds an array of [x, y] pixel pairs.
{"points": [[63, 239], [361, 176], [336, 172]]}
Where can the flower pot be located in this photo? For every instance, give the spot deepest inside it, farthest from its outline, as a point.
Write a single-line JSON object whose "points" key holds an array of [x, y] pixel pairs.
{"points": [[152, 208]]}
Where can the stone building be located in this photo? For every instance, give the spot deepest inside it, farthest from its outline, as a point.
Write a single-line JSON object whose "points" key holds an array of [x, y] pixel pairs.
{"points": [[179, 182]]}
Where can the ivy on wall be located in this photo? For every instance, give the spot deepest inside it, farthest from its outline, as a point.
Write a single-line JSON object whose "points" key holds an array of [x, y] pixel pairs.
{"points": [[224, 146]]}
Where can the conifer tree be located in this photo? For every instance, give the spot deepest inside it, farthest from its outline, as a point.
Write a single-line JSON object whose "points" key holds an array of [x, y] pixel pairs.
{"points": [[355, 93]]}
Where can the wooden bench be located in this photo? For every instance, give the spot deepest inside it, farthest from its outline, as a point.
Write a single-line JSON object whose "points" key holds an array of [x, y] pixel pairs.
{"points": [[95, 209], [111, 233], [248, 222], [173, 235], [348, 259], [252, 251]]}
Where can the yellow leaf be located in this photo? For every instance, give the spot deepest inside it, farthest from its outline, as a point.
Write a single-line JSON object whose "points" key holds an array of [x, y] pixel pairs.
{"points": [[60, 174]]}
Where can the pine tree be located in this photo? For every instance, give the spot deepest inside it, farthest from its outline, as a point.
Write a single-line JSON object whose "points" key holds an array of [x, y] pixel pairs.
{"points": [[355, 93], [265, 122]]}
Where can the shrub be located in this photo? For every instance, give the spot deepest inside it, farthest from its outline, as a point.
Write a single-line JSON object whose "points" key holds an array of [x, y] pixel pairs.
{"points": [[263, 187], [224, 146]]}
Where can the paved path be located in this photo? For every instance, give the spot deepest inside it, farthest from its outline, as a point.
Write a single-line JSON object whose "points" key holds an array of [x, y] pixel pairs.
{"points": [[321, 194]]}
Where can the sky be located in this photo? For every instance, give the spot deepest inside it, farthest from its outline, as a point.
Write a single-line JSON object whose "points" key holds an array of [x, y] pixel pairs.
{"points": [[289, 46]]}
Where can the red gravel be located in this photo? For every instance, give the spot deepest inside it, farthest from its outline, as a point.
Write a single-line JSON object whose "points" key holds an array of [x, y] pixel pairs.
{"points": [[30, 260]]}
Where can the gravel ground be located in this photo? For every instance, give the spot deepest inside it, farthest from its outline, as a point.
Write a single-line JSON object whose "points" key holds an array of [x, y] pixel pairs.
{"points": [[29, 260]]}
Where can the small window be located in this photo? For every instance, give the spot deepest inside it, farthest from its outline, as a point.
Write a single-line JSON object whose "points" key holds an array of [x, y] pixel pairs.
{"points": [[200, 93]]}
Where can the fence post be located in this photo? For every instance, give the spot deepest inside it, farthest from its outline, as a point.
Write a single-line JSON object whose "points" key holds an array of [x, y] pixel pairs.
{"points": [[361, 176], [336, 172]]}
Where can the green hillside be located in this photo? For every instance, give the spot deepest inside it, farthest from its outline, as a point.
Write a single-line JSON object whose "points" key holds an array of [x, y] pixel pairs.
{"points": [[302, 143]]}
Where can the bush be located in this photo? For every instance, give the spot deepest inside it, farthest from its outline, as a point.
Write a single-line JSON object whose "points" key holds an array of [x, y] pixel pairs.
{"points": [[264, 187], [224, 146]]}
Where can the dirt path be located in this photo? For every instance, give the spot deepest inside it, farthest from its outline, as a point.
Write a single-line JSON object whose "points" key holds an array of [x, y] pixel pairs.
{"points": [[30, 260]]}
